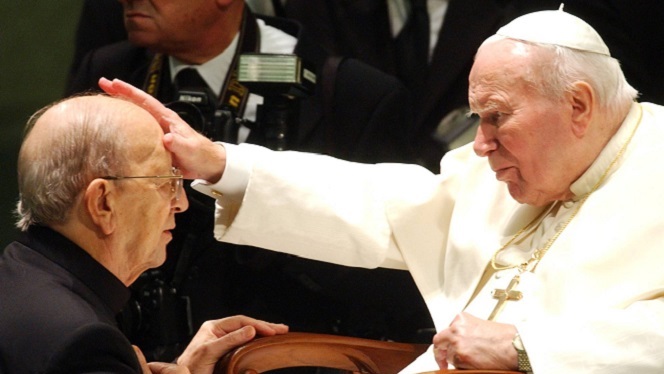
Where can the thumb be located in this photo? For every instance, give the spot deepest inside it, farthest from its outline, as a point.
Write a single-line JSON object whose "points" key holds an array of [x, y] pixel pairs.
{"points": [[178, 136], [173, 132], [167, 368], [141, 360], [204, 360]]}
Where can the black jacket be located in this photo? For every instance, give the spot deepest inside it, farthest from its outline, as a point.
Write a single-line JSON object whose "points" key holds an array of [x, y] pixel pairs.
{"points": [[58, 310]]}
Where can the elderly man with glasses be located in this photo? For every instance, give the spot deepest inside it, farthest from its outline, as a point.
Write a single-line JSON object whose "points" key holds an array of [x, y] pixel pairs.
{"points": [[98, 198]]}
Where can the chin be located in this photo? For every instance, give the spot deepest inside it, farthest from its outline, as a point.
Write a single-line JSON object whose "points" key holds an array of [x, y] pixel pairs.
{"points": [[529, 200], [159, 260], [519, 196], [515, 191], [142, 38]]}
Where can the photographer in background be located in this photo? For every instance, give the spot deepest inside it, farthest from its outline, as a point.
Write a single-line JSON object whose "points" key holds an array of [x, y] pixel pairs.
{"points": [[355, 112]]}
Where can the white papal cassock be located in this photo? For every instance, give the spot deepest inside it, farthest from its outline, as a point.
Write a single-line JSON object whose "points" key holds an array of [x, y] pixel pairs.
{"points": [[594, 304]]}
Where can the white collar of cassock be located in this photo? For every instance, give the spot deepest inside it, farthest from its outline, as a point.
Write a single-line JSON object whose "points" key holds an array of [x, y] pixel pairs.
{"points": [[585, 183]]}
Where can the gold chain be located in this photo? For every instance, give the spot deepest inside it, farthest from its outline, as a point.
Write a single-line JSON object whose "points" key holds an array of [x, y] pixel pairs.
{"points": [[534, 260]]}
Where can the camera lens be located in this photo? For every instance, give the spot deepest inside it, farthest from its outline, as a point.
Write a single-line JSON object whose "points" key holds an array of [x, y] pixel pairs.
{"points": [[190, 113]]}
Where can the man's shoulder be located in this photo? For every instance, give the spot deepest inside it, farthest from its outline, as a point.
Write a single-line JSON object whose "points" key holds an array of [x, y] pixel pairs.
{"points": [[40, 311], [120, 60], [56, 295], [120, 50]]}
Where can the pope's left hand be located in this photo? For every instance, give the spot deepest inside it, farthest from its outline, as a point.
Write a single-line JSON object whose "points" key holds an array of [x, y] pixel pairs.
{"points": [[473, 343]]}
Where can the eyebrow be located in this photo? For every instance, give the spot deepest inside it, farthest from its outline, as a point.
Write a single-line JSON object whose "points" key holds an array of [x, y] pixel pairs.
{"points": [[489, 105]]}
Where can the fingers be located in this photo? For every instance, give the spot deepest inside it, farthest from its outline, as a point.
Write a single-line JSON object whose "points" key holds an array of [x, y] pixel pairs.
{"points": [[441, 342], [141, 360], [474, 343], [237, 330], [222, 326], [158, 367], [276, 328], [202, 356], [216, 348], [268, 329], [167, 368], [446, 354], [446, 342], [137, 96], [456, 360], [215, 338], [232, 340], [441, 358], [107, 86], [178, 133]]}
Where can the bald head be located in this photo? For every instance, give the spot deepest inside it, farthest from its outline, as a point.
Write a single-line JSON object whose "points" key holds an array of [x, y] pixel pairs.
{"points": [[72, 142]]}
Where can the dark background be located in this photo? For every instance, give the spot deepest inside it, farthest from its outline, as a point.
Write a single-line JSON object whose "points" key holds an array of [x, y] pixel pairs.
{"points": [[36, 46]]}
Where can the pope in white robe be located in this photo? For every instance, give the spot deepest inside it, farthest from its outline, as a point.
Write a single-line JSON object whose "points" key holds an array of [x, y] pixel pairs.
{"points": [[595, 302], [588, 256]]}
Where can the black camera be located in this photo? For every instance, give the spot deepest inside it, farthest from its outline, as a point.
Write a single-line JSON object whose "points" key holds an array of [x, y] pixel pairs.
{"points": [[280, 79], [198, 107]]}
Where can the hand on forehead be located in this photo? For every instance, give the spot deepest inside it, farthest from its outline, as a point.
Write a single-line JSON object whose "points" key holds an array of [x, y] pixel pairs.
{"points": [[119, 88]]}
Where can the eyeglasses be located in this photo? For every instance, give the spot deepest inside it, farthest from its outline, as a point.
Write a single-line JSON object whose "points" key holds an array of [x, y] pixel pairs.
{"points": [[175, 180]]}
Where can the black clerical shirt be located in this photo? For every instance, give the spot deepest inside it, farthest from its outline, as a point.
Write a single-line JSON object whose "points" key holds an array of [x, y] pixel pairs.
{"points": [[58, 308]]}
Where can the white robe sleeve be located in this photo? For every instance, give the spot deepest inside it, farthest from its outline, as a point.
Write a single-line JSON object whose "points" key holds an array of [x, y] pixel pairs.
{"points": [[317, 207]]}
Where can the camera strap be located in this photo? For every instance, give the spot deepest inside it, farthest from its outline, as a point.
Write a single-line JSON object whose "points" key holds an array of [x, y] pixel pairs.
{"points": [[233, 95]]}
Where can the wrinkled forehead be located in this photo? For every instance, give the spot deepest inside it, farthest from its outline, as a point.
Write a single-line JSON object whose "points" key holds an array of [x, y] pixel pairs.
{"points": [[501, 69], [502, 57]]}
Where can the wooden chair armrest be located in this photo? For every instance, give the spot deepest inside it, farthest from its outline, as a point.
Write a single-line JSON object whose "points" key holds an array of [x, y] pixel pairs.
{"points": [[345, 353], [319, 350]]}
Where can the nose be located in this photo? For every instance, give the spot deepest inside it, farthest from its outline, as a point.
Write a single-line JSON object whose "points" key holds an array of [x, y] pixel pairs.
{"points": [[181, 203], [485, 140]]}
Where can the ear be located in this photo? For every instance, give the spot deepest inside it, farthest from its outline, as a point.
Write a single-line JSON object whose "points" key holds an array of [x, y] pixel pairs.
{"points": [[582, 98], [100, 201]]}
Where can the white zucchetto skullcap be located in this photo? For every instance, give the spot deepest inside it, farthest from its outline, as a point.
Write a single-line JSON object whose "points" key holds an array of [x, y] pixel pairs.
{"points": [[555, 27]]}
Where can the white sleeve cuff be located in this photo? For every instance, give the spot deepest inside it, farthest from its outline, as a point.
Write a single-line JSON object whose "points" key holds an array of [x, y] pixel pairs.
{"points": [[235, 178]]}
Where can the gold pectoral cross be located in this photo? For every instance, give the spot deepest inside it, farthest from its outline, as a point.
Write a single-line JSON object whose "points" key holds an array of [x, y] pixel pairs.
{"points": [[503, 296]]}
